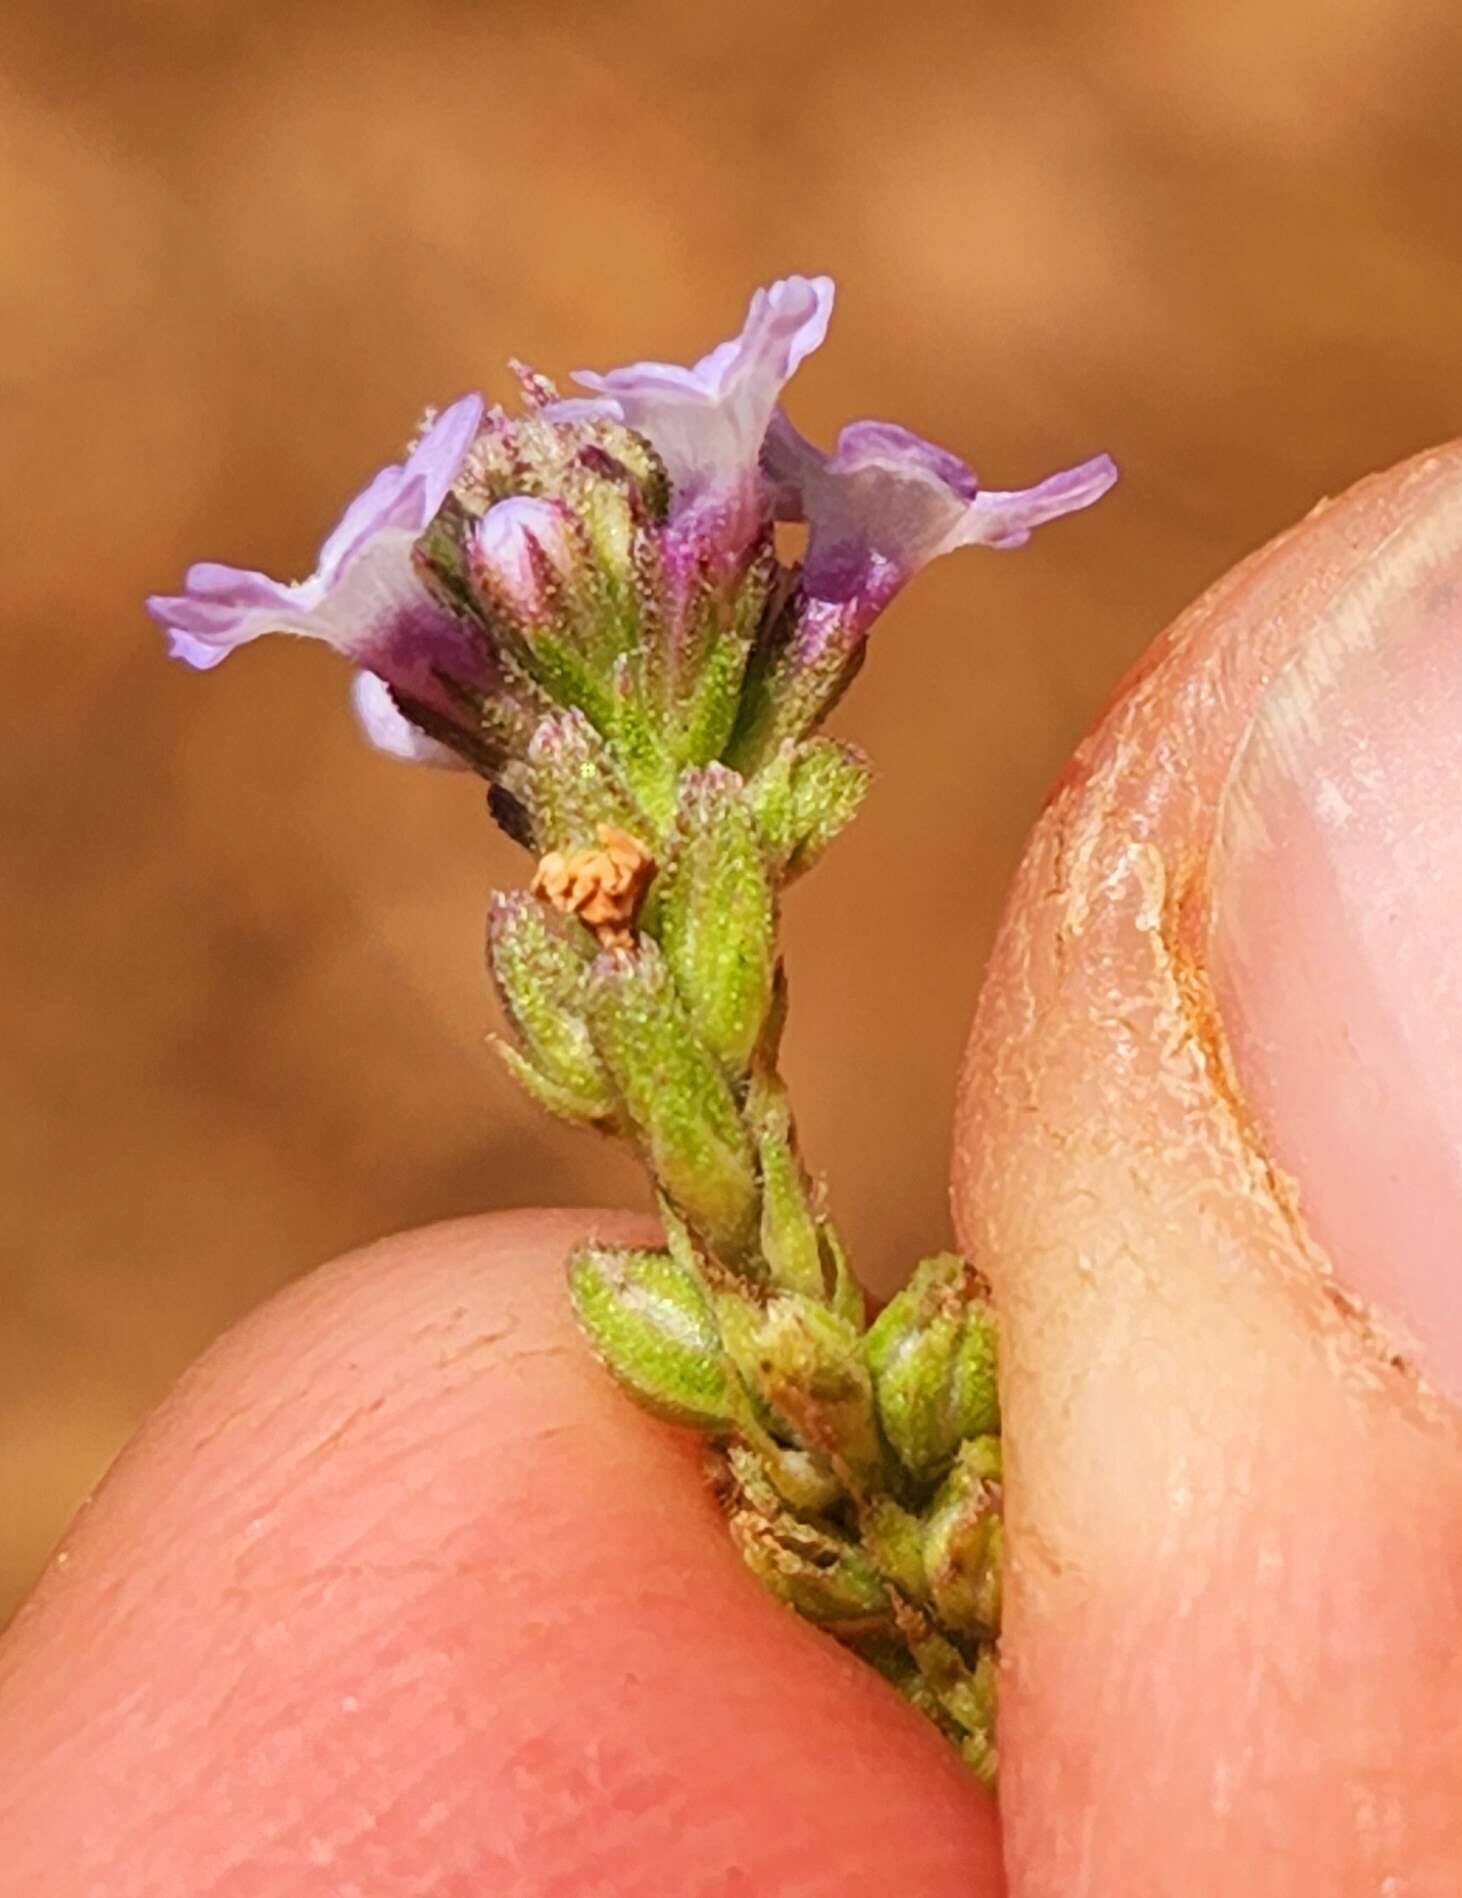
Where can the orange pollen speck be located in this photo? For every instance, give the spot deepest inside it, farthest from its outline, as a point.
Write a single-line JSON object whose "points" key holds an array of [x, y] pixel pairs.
{"points": [[603, 887]]}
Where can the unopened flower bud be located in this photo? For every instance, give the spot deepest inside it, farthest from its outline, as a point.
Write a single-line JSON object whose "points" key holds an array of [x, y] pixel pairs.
{"points": [[647, 1317], [932, 1352], [790, 1238], [964, 1541], [821, 1573], [677, 1098], [541, 979], [798, 1241], [533, 582], [806, 796], [966, 1693], [573, 786], [718, 919], [802, 1363], [520, 548]]}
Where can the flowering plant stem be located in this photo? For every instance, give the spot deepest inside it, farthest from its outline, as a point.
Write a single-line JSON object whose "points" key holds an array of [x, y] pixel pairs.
{"points": [[583, 603], [859, 1466]]}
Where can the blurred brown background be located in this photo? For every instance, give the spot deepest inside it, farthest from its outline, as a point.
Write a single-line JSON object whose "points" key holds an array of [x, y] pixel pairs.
{"points": [[239, 954]]}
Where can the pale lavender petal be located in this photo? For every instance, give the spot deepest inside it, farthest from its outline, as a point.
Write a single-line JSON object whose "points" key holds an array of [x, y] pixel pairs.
{"points": [[581, 408], [886, 501], [407, 495], [179, 612], [373, 507], [376, 606], [389, 731], [437, 458], [195, 652], [710, 371], [784, 324], [364, 590], [887, 445], [645, 382], [503, 545], [791, 464], [226, 607], [707, 423], [238, 587], [996, 519]]}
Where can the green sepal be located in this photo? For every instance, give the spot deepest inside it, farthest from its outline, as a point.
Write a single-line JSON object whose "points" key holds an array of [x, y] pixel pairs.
{"points": [[816, 1569], [677, 1099], [607, 512], [894, 1539], [804, 797], [965, 1691], [710, 633], [649, 1321], [804, 1366], [679, 1239], [791, 1241], [440, 557], [932, 1352], [555, 1099], [541, 970], [639, 743], [567, 642], [846, 1296], [490, 731], [717, 916], [964, 1542], [804, 1480], [796, 678], [555, 659], [891, 1659], [573, 784], [799, 1242], [703, 722], [790, 1237]]}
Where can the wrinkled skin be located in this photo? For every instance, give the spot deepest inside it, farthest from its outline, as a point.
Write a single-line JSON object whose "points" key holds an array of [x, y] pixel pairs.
{"points": [[1236, 1509], [395, 1596]]}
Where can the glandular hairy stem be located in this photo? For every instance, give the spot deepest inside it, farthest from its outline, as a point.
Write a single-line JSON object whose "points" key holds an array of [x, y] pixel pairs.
{"points": [[583, 603], [858, 1465]]}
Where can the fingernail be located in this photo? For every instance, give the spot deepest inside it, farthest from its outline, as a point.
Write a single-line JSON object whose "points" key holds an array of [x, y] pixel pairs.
{"points": [[1336, 936]]}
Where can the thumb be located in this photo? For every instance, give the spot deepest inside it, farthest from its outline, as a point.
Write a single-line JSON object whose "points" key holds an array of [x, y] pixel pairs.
{"points": [[398, 1597], [1208, 1150]]}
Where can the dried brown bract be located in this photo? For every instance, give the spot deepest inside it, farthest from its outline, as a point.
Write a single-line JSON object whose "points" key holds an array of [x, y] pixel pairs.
{"points": [[603, 886]]}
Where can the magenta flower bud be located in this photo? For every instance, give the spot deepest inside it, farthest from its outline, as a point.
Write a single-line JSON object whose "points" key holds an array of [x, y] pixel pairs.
{"points": [[517, 548]]}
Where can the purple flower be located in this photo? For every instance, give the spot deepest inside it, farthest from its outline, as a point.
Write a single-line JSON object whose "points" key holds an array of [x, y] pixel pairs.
{"points": [[364, 597], [885, 502], [516, 548], [707, 423]]}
